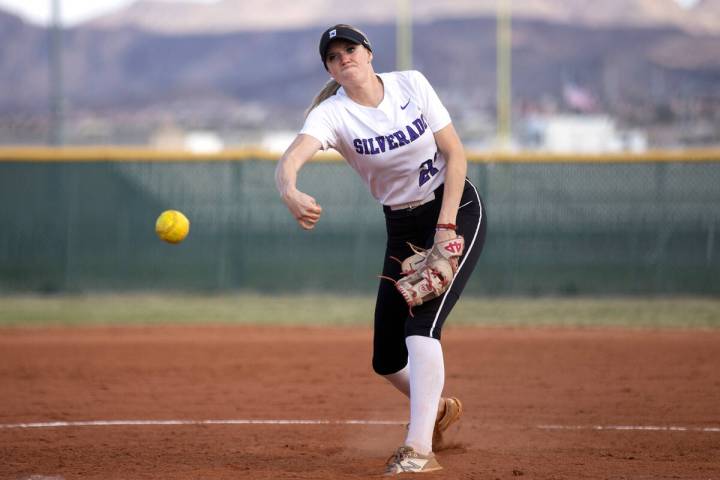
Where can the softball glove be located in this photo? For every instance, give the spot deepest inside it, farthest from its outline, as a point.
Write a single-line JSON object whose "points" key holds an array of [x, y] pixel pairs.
{"points": [[428, 273]]}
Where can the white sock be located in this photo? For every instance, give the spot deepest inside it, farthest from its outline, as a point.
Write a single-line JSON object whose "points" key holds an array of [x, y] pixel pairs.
{"points": [[427, 377], [401, 380]]}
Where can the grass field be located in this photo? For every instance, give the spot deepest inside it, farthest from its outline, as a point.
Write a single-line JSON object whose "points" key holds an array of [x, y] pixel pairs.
{"points": [[245, 308]]}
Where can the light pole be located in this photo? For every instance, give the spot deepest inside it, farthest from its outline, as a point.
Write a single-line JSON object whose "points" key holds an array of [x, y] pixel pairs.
{"points": [[403, 36], [504, 73], [55, 76]]}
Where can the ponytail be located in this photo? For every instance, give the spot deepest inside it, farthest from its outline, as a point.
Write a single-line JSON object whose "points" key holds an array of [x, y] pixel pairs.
{"points": [[330, 89]]}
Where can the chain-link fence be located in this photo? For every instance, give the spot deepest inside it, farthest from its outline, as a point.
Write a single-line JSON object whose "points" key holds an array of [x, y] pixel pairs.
{"points": [[556, 226]]}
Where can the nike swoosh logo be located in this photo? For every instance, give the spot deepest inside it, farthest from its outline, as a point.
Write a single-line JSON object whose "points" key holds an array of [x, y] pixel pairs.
{"points": [[403, 107]]}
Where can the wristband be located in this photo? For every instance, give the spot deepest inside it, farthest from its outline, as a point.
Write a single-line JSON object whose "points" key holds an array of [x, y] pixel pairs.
{"points": [[446, 226]]}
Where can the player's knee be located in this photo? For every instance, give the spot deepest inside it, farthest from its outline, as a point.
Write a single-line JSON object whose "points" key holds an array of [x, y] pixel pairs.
{"points": [[422, 331], [384, 365]]}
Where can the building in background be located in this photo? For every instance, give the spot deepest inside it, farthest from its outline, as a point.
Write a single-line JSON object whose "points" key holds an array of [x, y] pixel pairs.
{"points": [[564, 133]]}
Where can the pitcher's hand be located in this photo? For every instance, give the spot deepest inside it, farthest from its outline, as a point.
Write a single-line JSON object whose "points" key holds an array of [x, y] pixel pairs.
{"points": [[304, 208]]}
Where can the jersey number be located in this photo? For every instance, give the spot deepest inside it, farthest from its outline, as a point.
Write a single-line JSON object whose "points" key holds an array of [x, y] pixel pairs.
{"points": [[427, 170]]}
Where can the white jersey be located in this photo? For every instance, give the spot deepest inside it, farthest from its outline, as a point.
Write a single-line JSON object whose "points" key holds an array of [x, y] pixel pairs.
{"points": [[391, 146]]}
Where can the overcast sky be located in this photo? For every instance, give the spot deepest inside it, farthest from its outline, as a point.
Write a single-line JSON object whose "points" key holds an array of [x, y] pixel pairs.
{"points": [[73, 11], [76, 11]]}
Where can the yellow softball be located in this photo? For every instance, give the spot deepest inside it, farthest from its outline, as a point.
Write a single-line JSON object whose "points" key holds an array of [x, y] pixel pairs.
{"points": [[172, 226]]}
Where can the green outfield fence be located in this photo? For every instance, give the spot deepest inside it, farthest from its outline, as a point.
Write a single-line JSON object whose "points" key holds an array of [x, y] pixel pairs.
{"points": [[82, 220]]}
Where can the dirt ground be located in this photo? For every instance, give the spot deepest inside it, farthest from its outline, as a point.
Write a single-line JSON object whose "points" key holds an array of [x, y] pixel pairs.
{"points": [[535, 400]]}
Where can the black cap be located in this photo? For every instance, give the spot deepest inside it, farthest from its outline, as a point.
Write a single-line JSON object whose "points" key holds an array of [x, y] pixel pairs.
{"points": [[341, 32]]}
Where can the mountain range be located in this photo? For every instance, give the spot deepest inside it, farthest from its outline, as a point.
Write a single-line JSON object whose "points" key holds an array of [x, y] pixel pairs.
{"points": [[234, 15], [262, 75]]}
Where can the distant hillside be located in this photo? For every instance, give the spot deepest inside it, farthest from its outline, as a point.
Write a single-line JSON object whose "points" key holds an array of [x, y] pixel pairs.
{"points": [[204, 78], [235, 15]]}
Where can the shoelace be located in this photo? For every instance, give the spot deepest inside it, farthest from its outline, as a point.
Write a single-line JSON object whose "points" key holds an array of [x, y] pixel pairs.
{"points": [[400, 454]]}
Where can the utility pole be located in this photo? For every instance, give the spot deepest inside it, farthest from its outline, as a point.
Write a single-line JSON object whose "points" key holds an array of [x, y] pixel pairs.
{"points": [[55, 77], [504, 73], [403, 36]]}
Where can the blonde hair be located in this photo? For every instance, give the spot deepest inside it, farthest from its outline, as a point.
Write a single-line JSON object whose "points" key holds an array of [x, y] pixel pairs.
{"points": [[331, 87]]}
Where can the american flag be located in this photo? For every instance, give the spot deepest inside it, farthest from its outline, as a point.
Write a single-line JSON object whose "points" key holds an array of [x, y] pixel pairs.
{"points": [[579, 98]]}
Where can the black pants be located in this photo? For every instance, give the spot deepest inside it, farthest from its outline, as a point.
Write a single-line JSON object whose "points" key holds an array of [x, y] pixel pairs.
{"points": [[417, 225]]}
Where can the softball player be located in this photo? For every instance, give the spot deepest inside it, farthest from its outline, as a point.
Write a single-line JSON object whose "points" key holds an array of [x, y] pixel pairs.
{"points": [[395, 132]]}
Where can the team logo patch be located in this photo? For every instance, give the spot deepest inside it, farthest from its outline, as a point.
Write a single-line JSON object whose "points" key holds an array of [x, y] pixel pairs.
{"points": [[454, 247], [332, 33]]}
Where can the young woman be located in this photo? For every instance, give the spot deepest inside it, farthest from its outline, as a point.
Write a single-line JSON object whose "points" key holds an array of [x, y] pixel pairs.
{"points": [[395, 132]]}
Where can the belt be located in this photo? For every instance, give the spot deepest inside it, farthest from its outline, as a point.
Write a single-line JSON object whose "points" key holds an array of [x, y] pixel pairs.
{"points": [[411, 205]]}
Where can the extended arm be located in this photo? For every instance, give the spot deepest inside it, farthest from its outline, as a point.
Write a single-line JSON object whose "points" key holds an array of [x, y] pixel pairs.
{"points": [[301, 205], [450, 146]]}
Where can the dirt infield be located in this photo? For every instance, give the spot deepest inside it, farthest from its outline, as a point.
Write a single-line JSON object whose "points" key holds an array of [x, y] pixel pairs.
{"points": [[540, 403]]}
